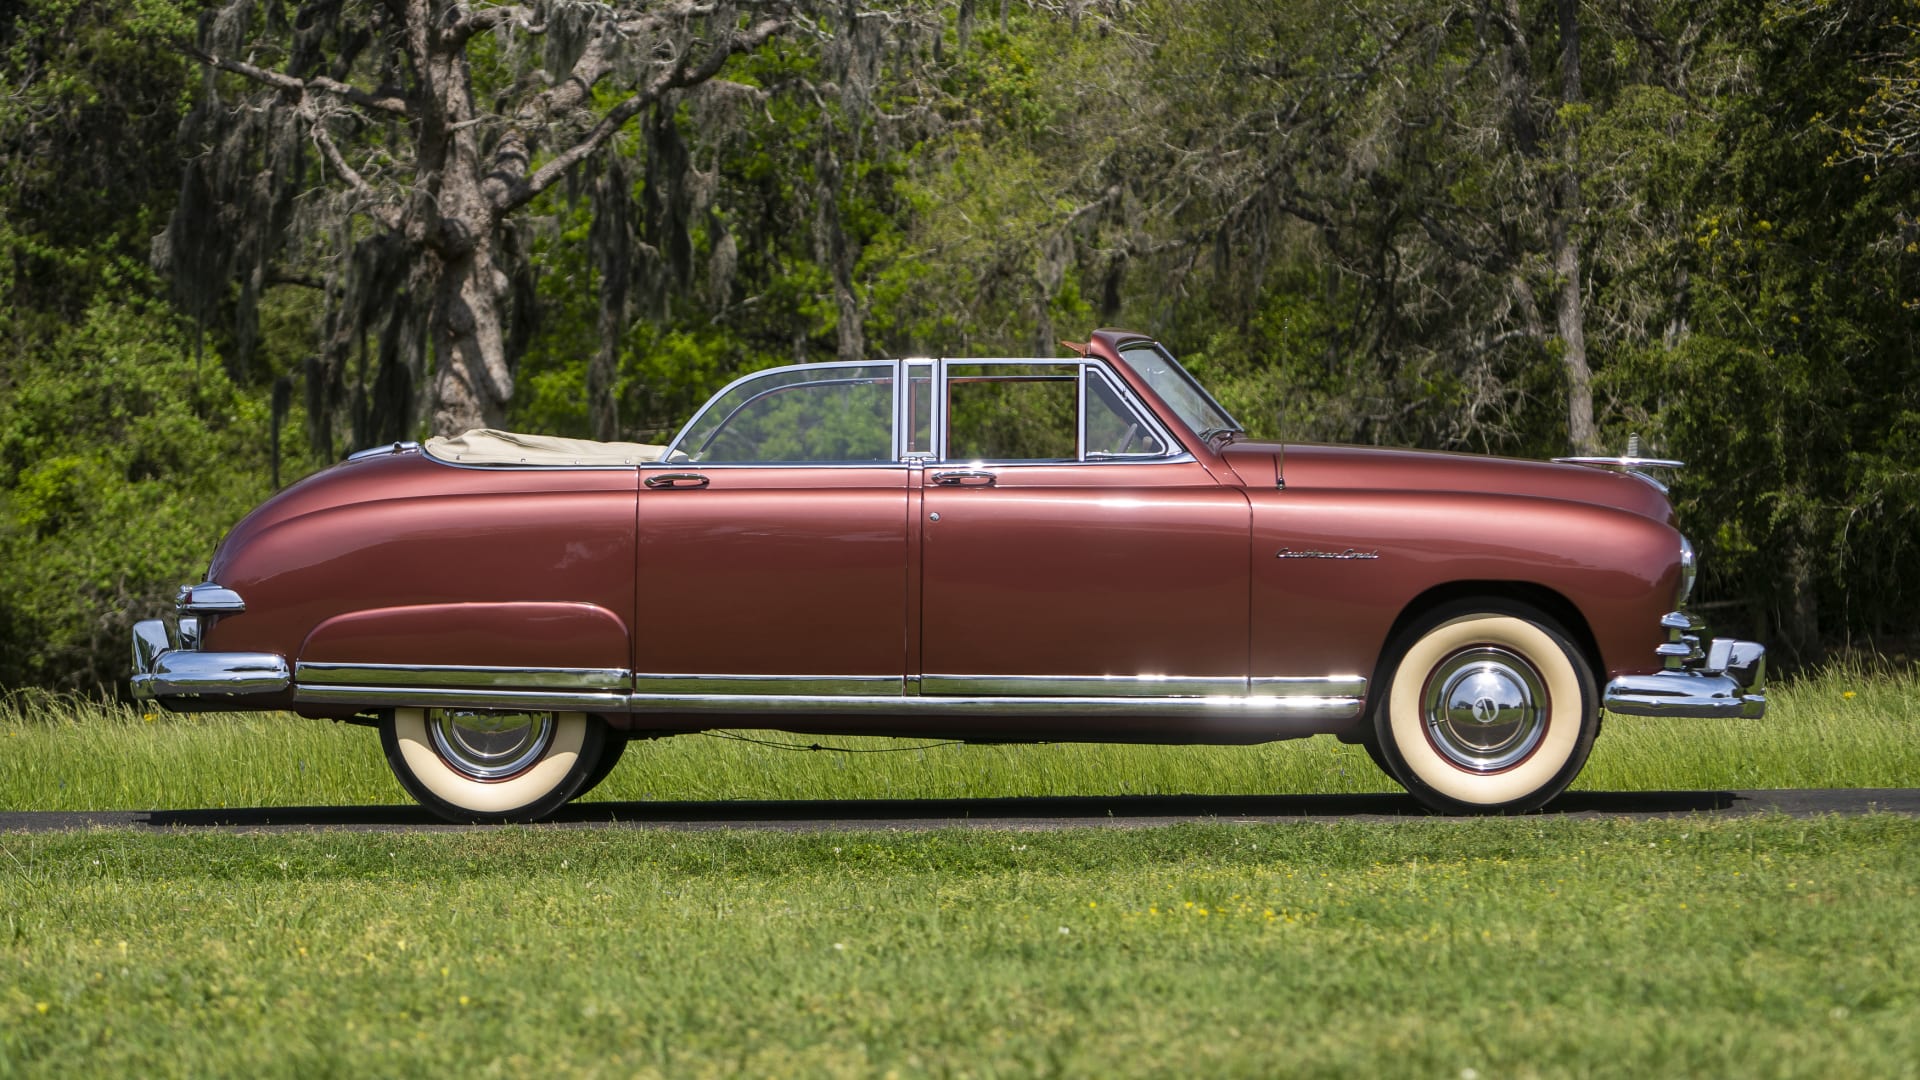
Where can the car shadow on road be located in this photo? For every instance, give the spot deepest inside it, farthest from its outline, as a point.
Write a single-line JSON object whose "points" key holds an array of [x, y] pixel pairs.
{"points": [[1053, 811]]}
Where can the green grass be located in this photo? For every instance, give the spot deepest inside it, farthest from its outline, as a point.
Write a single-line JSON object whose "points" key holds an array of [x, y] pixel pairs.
{"points": [[1844, 728], [1516, 947]]}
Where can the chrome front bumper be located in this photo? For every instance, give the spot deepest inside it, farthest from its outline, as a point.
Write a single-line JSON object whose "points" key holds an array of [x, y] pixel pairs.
{"points": [[168, 666], [1727, 679]]}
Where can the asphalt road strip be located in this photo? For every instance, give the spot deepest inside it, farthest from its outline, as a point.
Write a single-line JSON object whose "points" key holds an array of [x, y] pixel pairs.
{"points": [[1018, 814]]}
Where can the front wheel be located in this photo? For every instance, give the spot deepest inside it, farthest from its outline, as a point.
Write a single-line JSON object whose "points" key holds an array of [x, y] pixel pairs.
{"points": [[1488, 708], [471, 766]]}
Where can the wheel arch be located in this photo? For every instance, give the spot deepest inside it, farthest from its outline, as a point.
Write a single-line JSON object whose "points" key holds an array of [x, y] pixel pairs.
{"points": [[1547, 600]]}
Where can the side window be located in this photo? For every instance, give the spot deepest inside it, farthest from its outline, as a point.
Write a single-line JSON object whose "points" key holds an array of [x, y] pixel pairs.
{"points": [[810, 415], [1113, 429], [1013, 411]]}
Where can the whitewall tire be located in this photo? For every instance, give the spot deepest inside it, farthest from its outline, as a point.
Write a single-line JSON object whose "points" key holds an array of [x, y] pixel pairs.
{"points": [[1487, 707], [491, 766]]}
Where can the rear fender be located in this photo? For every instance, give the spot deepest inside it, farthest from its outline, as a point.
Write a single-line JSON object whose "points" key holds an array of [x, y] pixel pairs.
{"points": [[496, 635]]}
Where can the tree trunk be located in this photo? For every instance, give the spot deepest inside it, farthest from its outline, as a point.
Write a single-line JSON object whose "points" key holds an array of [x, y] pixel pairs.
{"points": [[1569, 314], [472, 384], [610, 244]]}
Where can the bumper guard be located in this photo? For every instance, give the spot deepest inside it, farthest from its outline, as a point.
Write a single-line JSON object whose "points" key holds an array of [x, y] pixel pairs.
{"points": [[169, 667], [1727, 679]]}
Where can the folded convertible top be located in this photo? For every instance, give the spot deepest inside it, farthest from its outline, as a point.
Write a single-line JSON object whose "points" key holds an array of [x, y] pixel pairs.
{"points": [[487, 446]]}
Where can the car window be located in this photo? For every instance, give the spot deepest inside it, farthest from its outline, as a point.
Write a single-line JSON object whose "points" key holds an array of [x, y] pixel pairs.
{"points": [[1179, 388], [1113, 428], [920, 408], [1013, 412], [797, 416], [1016, 411]]}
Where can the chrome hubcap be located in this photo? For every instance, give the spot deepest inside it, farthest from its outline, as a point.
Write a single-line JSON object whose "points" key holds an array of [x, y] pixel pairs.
{"points": [[489, 745], [1485, 709]]}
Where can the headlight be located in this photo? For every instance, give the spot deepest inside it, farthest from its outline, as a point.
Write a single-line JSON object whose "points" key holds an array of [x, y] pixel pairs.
{"points": [[1687, 571]]}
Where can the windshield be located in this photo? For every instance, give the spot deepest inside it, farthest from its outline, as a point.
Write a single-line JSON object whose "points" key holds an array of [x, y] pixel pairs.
{"points": [[1171, 381]]}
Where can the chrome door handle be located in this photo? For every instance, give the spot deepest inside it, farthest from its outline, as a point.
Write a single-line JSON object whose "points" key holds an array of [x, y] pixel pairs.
{"points": [[676, 480], [964, 478]]}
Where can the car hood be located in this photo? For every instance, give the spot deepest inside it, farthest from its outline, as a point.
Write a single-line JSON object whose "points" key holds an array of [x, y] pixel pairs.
{"points": [[1311, 465]]}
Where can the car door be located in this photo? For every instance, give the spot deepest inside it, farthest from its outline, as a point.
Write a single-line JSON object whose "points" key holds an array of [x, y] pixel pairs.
{"points": [[772, 541], [1070, 547]]}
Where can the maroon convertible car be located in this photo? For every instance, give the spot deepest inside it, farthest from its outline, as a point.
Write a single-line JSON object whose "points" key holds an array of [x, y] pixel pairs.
{"points": [[982, 549]]}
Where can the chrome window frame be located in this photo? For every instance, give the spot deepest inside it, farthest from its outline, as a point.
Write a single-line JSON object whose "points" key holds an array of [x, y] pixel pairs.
{"points": [[1175, 451], [1186, 376], [903, 415], [902, 371], [893, 369]]}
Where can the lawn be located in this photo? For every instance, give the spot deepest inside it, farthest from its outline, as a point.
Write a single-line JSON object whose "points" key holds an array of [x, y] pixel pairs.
{"points": [[1439, 948], [1843, 728]]}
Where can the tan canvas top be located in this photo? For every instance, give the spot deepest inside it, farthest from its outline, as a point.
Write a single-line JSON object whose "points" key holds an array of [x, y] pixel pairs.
{"points": [[487, 446]]}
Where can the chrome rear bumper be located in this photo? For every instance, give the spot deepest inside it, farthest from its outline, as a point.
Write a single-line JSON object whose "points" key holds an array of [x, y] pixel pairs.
{"points": [[168, 667], [1728, 679]]}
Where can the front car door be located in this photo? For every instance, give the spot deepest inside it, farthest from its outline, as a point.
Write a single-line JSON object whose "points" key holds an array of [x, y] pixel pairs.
{"points": [[1071, 547]]}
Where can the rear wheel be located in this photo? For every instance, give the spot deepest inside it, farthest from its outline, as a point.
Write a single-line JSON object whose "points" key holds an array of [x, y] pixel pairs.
{"points": [[1487, 708], [611, 751], [468, 765], [1372, 746]]}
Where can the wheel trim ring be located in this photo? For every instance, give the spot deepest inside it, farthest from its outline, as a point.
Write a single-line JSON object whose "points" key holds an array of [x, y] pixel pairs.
{"points": [[458, 750], [1574, 713], [1505, 668]]}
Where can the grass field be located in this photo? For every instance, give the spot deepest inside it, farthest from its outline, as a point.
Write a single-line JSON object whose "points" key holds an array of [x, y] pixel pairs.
{"points": [[1844, 728], [1492, 948], [1437, 948]]}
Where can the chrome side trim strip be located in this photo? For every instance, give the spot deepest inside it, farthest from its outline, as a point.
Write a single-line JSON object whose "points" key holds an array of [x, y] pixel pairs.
{"points": [[456, 677], [759, 685], [458, 698], [1331, 708], [1253, 708], [1317, 686], [1083, 686]]}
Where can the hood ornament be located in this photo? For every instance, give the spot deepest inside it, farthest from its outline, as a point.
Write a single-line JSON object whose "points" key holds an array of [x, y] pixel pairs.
{"points": [[1630, 463]]}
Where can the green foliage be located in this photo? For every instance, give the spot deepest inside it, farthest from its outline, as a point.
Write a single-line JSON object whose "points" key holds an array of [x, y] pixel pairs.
{"points": [[1794, 395], [1339, 217], [123, 458]]}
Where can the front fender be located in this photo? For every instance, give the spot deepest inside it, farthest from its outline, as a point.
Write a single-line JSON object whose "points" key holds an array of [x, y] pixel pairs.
{"points": [[1316, 614]]}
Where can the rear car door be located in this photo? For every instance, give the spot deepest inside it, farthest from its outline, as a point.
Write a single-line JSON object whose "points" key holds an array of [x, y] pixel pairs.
{"points": [[772, 544]]}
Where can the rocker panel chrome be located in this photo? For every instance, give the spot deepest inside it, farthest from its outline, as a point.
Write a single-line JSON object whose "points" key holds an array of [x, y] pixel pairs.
{"points": [[1328, 708], [1083, 686], [457, 677], [1353, 686], [1321, 708], [620, 691], [451, 697], [758, 685]]}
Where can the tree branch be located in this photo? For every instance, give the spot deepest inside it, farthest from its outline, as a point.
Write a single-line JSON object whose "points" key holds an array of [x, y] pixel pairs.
{"points": [[509, 190], [479, 22], [388, 104], [385, 215]]}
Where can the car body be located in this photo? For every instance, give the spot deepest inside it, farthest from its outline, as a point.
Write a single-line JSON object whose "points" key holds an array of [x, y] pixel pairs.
{"points": [[1019, 549]]}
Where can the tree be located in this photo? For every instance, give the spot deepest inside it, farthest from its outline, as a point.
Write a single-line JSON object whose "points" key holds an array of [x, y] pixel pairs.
{"points": [[430, 129]]}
